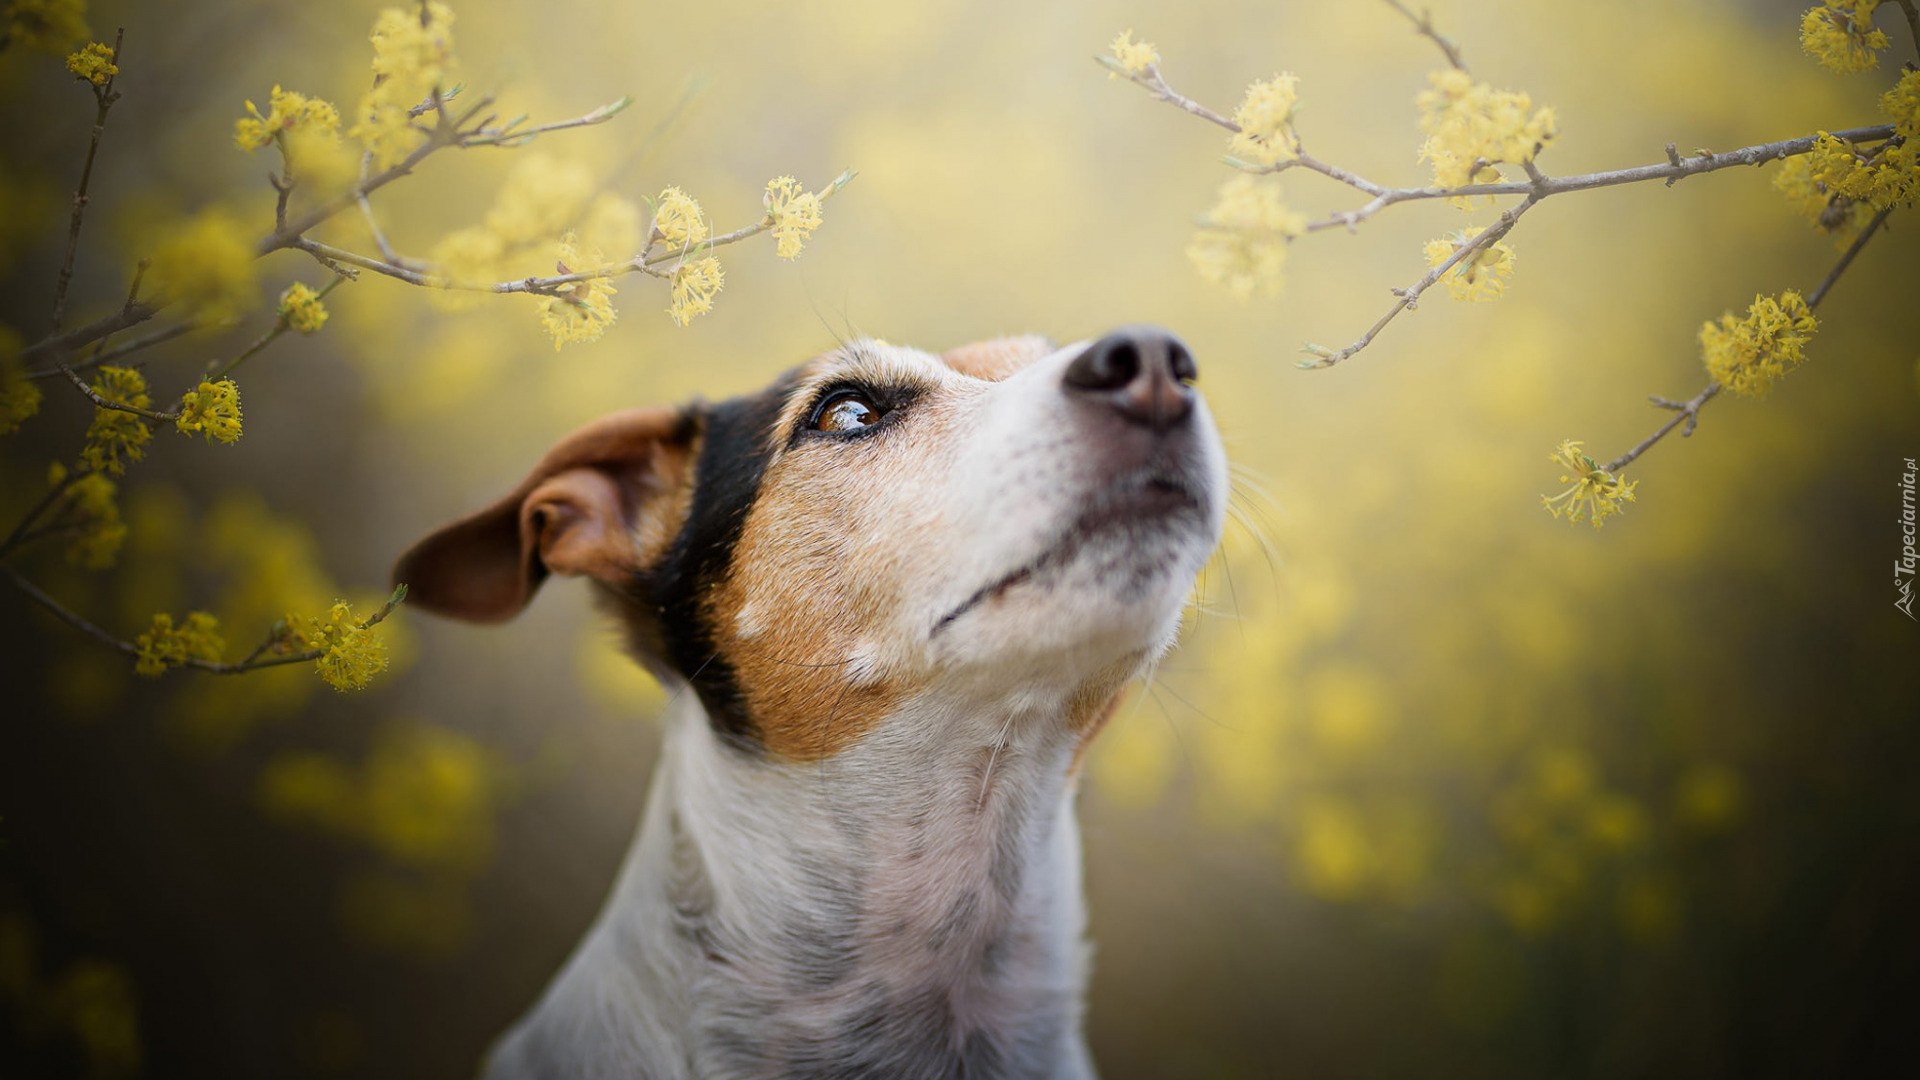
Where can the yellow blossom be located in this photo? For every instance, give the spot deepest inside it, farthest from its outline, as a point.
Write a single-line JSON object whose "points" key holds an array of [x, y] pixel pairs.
{"points": [[581, 312], [1902, 103], [1840, 34], [612, 225], [412, 56], [795, 215], [48, 26], [1595, 494], [693, 288], [1471, 127], [302, 309], [211, 409], [1747, 356], [207, 266], [287, 110], [1265, 117], [1888, 175], [116, 437], [469, 256], [678, 219], [19, 397], [1135, 56], [1480, 276], [542, 196], [165, 645], [93, 63], [1828, 210], [1242, 241], [352, 653], [91, 517]]}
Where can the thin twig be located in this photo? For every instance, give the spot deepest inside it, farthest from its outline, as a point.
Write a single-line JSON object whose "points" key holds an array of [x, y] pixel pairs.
{"points": [[217, 371], [107, 355], [21, 533], [1423, 25], [1689, 410], [254, 661], [104, 97], [1409, 297], [1821, 290], [33, 593], [543, 286], [1671, 170], [1913, 21], [95, 397]]}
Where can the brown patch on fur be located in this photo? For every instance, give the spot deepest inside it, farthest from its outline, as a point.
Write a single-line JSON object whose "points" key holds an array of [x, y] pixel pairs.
{"points": [[809, 614], [997, 358]]}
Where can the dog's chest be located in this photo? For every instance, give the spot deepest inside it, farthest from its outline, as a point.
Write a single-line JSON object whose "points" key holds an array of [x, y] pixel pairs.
{"points": [[934, 925]]}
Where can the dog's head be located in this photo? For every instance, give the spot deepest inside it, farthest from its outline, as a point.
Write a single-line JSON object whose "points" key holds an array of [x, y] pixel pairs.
{"points": [[1007, 520]]}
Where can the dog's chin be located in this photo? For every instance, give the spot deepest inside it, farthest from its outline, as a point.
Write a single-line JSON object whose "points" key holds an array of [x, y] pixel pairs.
{"points": [[1109, 584]]}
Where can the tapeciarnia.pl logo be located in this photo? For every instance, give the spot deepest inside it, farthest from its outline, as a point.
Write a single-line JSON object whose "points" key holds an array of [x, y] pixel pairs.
{"points": [[1903, 566]]}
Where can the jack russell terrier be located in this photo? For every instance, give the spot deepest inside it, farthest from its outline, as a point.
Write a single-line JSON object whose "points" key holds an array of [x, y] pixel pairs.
{"points": [[904, 591]]}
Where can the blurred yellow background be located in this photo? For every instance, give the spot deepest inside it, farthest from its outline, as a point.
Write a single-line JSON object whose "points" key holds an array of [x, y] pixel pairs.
{"points": [[1436, 784]]}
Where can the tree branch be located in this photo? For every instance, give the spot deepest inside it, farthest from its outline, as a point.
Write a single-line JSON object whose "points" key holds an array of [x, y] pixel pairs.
{"points": [[254, 661], [1423, 25], [1410, 297], [543, 286], [104, 97], [1689, 410]]}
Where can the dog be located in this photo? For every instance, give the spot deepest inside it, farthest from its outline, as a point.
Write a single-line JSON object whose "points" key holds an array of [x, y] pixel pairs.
{"points": [[897, 594]]}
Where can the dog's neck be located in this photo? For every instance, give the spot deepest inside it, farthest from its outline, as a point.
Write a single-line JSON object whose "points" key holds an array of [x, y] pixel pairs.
{"points": [[908, 907]]}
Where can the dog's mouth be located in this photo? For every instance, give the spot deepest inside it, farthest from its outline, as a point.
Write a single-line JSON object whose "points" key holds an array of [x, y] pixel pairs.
{"points": [[1144, 505]]}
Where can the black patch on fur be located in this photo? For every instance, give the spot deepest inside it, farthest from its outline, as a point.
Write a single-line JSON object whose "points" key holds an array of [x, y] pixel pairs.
{"points": [[726, 481]]}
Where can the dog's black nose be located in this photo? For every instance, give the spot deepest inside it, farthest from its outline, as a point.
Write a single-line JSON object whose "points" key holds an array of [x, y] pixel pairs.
{"points": [[1142, 372]]}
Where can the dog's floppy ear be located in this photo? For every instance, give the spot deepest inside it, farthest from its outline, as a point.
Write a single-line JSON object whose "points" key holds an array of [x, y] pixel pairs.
{"points": [[576, 513]]}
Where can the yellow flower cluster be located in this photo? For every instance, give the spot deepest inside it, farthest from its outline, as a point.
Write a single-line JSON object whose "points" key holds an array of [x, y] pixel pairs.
{"points": [[287, 110], [1595, 494], [165, 645], [678, 220], [412, 56], [1840, 34], [1747, 356], [1135, 56], [302, 309], [19, 397], [211, 409], [1902, 103], [1242, 242], [1827, 210], [1471, 127], [795, 215], [693, 288], [542, 196], [115, 437], [207, 266], [1480, 276], [352, 652], [1265, 117], [48, 26], [581, 312], [91, 517], [423, 797], [93, 63], [1888, 175]]}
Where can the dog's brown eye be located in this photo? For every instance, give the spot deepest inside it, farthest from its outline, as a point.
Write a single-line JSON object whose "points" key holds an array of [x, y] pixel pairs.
{"points": [[849, 411]]}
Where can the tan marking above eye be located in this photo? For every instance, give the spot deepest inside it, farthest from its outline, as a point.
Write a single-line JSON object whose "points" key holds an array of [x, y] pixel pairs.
{"points": [[848, 411]]}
